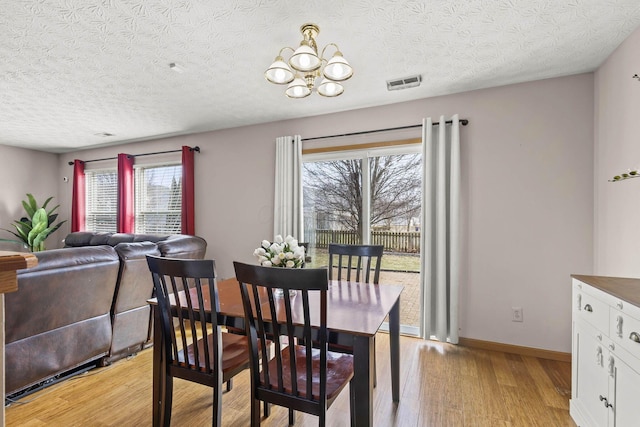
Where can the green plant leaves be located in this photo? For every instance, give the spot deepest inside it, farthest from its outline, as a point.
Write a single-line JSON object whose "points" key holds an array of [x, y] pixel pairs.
{"points": [[39, 223], [33, 229]]}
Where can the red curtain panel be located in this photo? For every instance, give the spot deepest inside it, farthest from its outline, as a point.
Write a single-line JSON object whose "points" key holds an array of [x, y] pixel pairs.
{"points": [[126, 209], [188, 201], [78, 197]]}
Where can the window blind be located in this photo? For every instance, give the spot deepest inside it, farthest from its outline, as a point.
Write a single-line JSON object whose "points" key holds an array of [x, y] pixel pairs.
{"points": [[158, 199], [101, 200]]}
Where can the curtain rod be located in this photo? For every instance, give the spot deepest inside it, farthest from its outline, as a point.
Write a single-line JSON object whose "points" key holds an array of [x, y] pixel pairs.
{"points": [[463, 122], [196, 148]]}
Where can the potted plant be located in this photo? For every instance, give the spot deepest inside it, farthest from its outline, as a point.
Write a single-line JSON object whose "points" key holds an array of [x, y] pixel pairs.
{"points": [[33, 229]]}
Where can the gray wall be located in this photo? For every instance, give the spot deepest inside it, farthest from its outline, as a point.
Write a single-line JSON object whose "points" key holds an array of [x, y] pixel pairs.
{"points": [[26, 171], [527, 182], [617, 148]]}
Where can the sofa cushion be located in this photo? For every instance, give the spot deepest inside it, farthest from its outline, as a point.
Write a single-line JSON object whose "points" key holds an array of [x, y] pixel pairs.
{"points": [[183, 246], [135, 250], [85, 238], [116, 238], [71, 257], [171, 246]]}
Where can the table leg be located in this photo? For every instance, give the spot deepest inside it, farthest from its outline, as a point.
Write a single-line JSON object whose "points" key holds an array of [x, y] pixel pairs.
{"points": [[362, 382], [394, 338], [158, 384]]}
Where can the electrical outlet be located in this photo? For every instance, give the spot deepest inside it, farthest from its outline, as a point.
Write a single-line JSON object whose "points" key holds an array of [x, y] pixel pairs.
{"points": [[516, 314]]}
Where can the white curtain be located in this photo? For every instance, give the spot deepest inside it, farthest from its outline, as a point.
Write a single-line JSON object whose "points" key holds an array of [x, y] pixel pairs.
{"points": [[287, 215], [440, 254]]}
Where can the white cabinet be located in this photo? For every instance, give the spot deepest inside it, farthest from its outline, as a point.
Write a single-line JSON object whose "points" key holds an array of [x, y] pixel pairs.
{"points": [[605, 352]]}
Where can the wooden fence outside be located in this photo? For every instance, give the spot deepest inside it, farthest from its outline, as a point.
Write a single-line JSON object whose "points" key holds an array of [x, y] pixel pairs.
{"points": [[393, 241]]}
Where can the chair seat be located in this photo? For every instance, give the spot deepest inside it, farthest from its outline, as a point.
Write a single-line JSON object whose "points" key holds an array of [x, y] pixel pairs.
{"points": [[235, 354], [339, 372]]}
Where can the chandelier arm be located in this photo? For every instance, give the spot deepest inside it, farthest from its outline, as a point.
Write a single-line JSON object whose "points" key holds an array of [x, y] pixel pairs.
{"points": [[325, 48], [285, 48]]}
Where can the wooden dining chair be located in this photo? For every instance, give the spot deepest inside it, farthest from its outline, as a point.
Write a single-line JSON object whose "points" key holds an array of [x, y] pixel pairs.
{"points": [[357, 260], [298, 377], [196, 348]]}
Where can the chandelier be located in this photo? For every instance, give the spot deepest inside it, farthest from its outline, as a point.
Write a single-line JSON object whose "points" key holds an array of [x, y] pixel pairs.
{"points": [[305, 67]]}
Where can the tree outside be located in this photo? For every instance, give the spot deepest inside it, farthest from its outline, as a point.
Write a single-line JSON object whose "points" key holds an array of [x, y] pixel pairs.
{"points": [[333, 193]]}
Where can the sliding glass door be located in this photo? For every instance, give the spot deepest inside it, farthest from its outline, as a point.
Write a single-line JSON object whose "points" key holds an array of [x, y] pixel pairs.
{"points": [[369, 197]]}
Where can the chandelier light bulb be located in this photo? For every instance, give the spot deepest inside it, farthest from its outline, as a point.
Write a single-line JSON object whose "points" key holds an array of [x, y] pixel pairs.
{"points": [[329, 88], [338, 69], [279, 72], [297, 89], [304, 60]]}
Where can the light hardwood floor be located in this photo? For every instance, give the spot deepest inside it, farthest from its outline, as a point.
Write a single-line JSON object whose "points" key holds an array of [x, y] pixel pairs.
{"points": [[441, 385]]}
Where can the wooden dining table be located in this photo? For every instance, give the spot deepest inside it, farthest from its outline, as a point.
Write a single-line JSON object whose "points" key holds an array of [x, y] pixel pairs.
{"points": [[355, 312]]}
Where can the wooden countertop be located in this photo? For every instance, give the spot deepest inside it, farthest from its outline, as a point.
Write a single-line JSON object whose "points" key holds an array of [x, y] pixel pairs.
{"points": [[626, 289], [9, 263]]}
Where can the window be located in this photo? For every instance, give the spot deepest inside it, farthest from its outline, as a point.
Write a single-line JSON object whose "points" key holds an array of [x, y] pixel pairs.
{"points": [[158, 199], [369, 196], [155, 197], [102, 200]]}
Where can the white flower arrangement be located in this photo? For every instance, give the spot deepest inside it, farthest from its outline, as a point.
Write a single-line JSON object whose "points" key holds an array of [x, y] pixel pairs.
{"points": [[284, 253]]}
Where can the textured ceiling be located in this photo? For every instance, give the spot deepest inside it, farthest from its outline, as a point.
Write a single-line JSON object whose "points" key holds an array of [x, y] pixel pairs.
{"points": [[71, 69]]}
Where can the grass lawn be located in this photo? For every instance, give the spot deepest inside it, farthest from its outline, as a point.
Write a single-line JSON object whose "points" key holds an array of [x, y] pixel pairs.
{"points": [[390, 260]]}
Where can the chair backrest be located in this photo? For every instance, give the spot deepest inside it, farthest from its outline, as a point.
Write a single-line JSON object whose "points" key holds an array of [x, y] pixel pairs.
{"points": [[197, 279], [358, 258], [269, 317]]}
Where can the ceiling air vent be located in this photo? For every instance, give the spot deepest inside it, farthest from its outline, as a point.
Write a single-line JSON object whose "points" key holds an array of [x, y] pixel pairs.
{"points": [[405, 83]]}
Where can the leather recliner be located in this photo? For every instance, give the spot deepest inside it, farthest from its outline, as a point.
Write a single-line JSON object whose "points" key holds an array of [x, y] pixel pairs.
{"points": [[60, 317]]}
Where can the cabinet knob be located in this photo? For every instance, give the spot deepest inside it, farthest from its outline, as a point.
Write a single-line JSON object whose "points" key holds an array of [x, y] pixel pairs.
{"points": [[588, 308], [619, 305], [635, 337], [612, 346]]}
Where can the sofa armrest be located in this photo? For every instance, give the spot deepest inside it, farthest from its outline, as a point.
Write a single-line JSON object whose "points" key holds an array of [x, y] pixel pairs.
{"points": [[135, 285]]}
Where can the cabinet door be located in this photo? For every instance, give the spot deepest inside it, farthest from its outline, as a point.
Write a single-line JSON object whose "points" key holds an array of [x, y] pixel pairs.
{"points": [[627, 395], [593, 378]]}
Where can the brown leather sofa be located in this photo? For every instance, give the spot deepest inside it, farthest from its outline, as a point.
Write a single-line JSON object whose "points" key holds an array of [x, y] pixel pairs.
{"points": [[130, 313], [84, 303]]}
